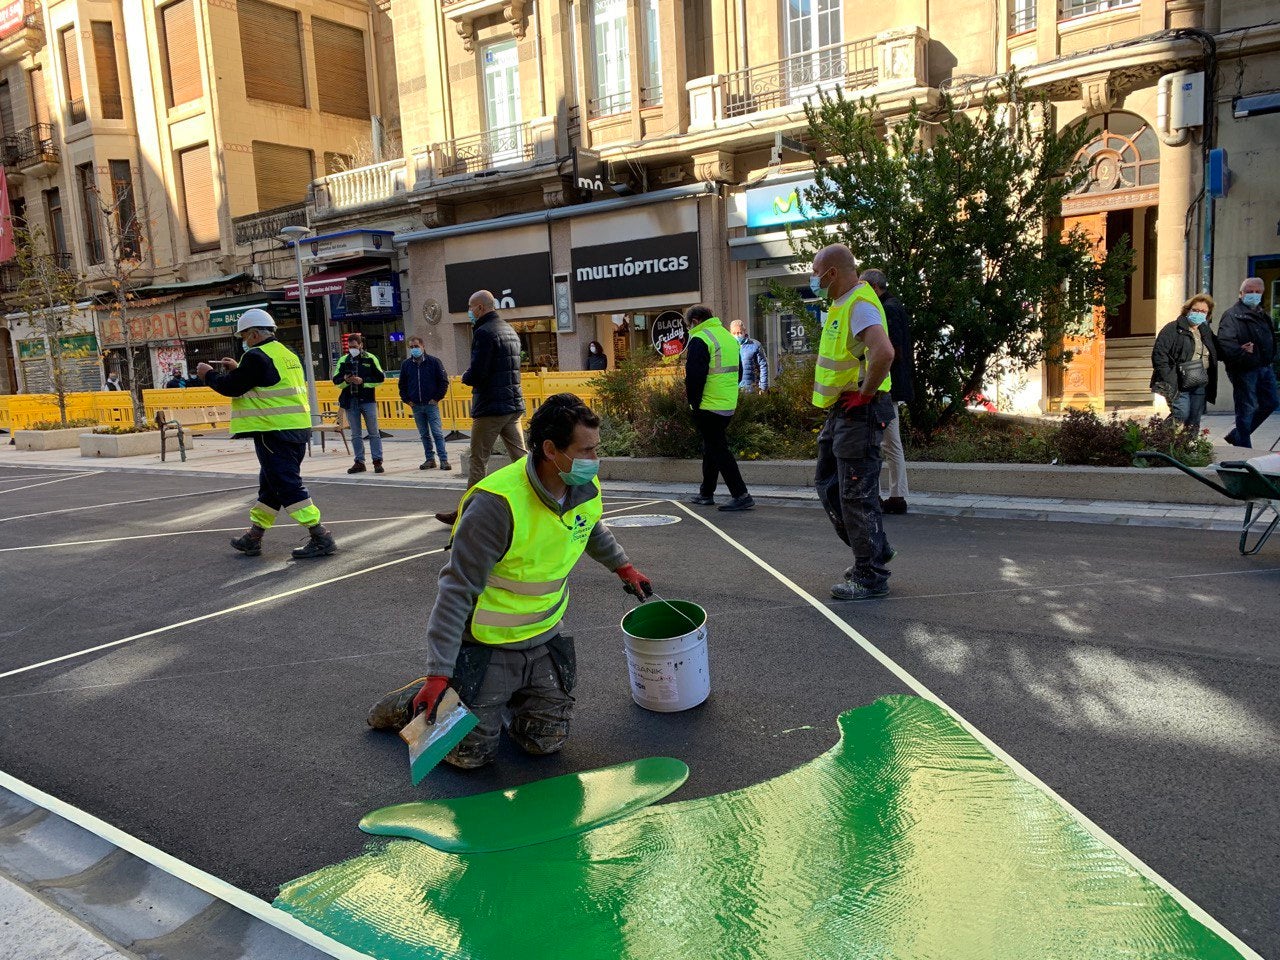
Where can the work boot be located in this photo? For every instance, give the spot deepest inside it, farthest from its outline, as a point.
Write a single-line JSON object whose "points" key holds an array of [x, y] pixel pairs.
{"points": [[250, 543], [427, 465], [744, 502], [357, 467], [851, 572], [321, 544], [377, 467], [448, 519], [395, 709], [446, 465], [852, 590], [894, 505]]}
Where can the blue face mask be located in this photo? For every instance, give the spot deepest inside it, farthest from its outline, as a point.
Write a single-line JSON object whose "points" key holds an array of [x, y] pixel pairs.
{"points": [[471, 315], [415, 352], [815, 284], [581, 471], [1252, 299], [1197, 317]]}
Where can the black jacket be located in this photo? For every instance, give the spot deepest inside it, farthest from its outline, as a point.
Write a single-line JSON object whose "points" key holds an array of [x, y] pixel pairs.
{"points": [[494, 374], [423, 381], [1241, 325], [1174, 345], [902, 371], [367, 368]]}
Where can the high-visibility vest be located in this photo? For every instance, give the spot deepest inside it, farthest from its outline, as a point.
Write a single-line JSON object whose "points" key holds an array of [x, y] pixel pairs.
{"points": [[279, 407], [720, 395], [840, 367], [528, 591]]}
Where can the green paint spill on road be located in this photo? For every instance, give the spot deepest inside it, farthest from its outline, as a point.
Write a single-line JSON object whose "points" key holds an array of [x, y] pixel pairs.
{"points": [[907, 840], [534, 813]]}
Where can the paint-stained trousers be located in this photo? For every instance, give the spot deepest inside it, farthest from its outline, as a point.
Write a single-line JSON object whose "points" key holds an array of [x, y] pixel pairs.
{"points": [[848, 484], [280, 482]]}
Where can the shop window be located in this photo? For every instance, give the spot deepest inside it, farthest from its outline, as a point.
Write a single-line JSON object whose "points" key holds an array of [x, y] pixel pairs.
{"points": [[612, 56], [183, 82], [271, 50], [76, 112], [110, 97], [342, 79]]}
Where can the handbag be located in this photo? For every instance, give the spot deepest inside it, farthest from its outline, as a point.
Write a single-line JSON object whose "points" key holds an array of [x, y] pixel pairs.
{"points": [[1192, 374]]}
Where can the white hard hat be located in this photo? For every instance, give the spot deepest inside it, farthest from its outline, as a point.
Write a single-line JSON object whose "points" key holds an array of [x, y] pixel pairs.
{"points": [[254, 318]]}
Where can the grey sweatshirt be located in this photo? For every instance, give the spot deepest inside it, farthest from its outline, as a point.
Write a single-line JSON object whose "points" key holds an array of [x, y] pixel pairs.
{"points": [[482, 538]]}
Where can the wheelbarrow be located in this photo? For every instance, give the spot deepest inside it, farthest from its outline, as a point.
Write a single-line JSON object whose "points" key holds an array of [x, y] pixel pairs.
{"points": [[1254, 482]]}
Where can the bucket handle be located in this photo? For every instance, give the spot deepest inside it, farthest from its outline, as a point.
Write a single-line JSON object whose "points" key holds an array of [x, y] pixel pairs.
{"points": [[677, 610]]}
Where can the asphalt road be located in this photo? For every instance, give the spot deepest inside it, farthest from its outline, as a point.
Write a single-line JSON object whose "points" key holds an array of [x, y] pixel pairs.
{"points": [[1133, 669]]}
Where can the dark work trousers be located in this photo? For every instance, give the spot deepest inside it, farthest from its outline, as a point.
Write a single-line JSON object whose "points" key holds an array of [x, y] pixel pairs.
{"points": [[280, 476], [848, 484], [717, 458]]}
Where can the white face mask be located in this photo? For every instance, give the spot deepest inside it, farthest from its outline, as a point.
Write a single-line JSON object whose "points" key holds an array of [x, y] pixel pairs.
{"points": [[354, 351], [593, 349]]}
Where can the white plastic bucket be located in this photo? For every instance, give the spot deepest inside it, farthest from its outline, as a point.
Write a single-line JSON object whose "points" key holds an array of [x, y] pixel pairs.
{"points": [[666, 647]]}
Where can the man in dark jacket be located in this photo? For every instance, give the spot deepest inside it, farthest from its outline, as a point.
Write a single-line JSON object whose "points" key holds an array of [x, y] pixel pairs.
{"points": [[423, 384], [893, 479], [359, 371], [1247, 344], [497, 401]]}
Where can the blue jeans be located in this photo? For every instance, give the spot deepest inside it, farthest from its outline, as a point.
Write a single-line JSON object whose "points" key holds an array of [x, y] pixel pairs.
{"points": [[1188, 407], [427, 417], [1254, 392], [369, 411]]}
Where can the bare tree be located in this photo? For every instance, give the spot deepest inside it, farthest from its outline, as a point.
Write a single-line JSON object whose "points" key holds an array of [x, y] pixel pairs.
{"points": [[364, 152]]}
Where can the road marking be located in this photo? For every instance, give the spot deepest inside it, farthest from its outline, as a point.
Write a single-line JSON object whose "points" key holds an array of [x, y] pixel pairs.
{"points": [[45, 483], [30, 476], [214, 886], [1083, 583], [129, 503], [1194, 909]]}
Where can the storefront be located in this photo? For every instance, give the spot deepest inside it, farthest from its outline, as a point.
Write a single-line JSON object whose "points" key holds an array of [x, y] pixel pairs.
{"points": [[224, 312], [164, 332]]}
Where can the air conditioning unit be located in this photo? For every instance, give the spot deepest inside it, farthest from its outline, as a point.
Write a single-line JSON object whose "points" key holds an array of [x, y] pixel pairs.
{"points": [[671, 176]]}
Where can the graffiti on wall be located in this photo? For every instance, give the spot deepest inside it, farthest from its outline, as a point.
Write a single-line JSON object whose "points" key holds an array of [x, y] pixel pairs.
{"points": [[160, 325]]}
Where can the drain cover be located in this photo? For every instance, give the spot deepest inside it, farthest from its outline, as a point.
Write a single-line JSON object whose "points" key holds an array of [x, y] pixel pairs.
{"points": [[642, 520]]}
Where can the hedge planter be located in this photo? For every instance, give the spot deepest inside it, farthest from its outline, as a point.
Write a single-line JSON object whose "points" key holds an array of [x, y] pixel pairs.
{"points": [[47, 439], [120, 444]]}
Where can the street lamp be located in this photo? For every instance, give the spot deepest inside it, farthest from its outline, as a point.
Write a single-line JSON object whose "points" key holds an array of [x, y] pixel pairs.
{"points": [[295, 235]]}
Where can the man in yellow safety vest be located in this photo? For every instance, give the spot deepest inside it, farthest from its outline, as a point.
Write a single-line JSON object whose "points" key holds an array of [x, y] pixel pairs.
{"points": [[494, 633], [268, 394], [851, 381], [711, 384]]}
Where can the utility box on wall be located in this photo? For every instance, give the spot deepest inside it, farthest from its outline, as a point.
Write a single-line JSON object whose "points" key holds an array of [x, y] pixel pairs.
{"points": [[1186, 101]]}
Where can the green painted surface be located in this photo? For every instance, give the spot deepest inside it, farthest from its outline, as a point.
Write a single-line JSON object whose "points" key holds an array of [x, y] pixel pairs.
{"points": [[534, 813], [907, 840], [664, 619]]}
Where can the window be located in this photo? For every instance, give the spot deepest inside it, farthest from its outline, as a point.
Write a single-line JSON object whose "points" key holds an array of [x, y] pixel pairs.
{"points": [[612, 57], [6, 110], [1071, 9], [183, 82], [652, 80], [128, 229], [39, 102], [57, 227], [88, 184], [1150, 251], [197, 196], [76, 112], [271, 48], [104, 58], [342, 79], [1022, 15], [283, 174], [812, 24]]}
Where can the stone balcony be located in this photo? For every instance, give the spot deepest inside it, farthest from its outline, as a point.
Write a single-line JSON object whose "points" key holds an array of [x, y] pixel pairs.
{"points": [[371, 186], [267, 224], [21, 32], [889, 62]]}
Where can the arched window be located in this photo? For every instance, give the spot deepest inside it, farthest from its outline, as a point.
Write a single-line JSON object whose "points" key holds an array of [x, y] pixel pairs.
{"points": [[1123, 154]]}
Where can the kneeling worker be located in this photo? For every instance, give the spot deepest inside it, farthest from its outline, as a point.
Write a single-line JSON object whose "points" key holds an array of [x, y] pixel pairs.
{"points": [[494, 632], [268, 394]]}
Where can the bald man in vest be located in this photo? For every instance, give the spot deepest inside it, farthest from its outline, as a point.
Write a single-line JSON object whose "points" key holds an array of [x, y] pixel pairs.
{"points": [[851, 382], [494, 633]]}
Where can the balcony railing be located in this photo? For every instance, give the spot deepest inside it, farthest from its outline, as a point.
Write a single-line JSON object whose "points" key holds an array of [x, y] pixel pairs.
{"points": [[361, 187], [33, 145], [486, 151], [11, 273], [267, 224], [609, 106], [1070, 9], [76, 112], [1022, 16], [849, 65]]}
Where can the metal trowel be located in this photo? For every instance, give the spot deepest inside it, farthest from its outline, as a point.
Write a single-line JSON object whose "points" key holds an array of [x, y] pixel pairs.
{"points": [[430, 739]]}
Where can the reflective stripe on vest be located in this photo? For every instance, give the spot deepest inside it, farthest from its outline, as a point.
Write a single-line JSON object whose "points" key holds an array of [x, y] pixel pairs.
{"points": [[840, 367], [720, 395], [527, 592], [282, 406]]}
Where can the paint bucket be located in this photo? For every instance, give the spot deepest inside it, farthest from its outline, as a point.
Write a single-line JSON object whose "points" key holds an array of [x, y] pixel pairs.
{"points": [[666, 647]]}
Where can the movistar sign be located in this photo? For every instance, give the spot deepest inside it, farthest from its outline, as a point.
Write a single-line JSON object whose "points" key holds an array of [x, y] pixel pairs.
{"points": [[777, 204]]}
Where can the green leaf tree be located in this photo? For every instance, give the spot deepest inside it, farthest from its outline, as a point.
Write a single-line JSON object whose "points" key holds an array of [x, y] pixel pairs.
{"points": [[46, 292], [960, 211]]}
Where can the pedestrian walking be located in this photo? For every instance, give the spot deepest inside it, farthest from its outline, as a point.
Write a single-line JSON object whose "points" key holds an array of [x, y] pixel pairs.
{"points": [[423, 384], [497, 402], [753, 366], [1184, 362], [1247, 344], [358, 372], [711, 384], [893, 475], [851, 382], [268, 392], [596, 360], [494, 632]]}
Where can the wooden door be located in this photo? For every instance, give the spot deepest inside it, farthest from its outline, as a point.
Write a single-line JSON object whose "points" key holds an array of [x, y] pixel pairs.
{"points": [[1081, 383]]}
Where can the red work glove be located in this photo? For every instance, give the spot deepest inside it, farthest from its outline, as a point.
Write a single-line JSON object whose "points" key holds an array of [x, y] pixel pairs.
{"points": [[635, 582], [852, 401], [428, 697]]}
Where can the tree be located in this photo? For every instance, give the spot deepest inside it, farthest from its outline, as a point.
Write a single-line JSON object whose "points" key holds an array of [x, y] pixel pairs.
{"points": [[965, 229], [46, 293]]}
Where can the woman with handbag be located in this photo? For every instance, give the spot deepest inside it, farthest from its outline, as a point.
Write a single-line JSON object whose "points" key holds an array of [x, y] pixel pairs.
{"points": [[1185, 362]]}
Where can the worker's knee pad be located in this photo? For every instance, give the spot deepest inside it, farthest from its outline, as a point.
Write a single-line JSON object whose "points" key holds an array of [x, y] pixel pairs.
{"points": [[539, 735]]}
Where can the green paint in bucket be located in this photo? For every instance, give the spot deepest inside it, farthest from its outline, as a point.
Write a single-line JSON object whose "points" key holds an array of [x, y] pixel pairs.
{"points": [[666, 646]]}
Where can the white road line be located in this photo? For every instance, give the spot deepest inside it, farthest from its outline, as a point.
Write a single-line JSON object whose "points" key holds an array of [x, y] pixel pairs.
{"points": [[129, 503], [1194, 909], [214, 886], [30, 476], [1090, 584], [45, 483], [218, 613]]}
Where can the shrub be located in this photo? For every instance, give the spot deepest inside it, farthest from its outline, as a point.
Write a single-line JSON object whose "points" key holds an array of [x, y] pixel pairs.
{"points": [[981, 438], [117, 429], [59, 425], [1084, 438]]}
